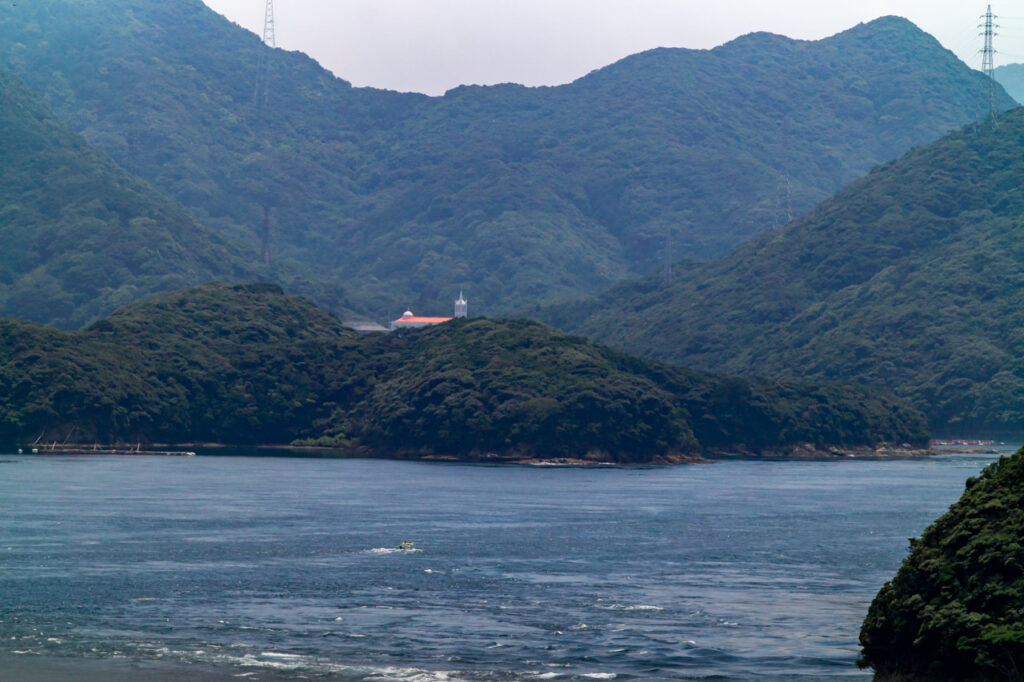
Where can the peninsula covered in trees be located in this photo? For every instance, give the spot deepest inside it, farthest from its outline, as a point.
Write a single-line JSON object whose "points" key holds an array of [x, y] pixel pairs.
{"points": [[246, 364], [955, 610]]}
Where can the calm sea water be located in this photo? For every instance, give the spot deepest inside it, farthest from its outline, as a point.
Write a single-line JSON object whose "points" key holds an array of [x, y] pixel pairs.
{"points": [[269, 568]]}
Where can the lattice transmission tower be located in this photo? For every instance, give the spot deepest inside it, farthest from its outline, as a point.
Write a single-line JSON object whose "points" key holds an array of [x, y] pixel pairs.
{"points": [[261, 68], [988, 53], [260, 98]]}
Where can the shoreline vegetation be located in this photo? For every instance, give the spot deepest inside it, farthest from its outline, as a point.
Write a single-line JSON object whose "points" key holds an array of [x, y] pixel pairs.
{"points": [[247, 364], [953, 610], [801, 451]]}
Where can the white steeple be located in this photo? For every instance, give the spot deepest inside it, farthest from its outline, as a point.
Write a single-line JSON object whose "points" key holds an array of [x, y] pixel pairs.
{"points": [[461, 306]]}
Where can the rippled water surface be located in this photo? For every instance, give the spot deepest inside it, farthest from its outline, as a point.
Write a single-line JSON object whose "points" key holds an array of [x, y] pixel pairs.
{"points": [[268, 568]]}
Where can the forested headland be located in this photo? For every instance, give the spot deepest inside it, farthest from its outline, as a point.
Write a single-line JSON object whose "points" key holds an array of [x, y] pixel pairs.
{"points": [[955, 609], [246, 364]]}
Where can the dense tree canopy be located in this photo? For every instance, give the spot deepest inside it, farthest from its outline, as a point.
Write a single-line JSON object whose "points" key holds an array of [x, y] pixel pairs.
{"points": [[955, 610], [78, 235], [520, 194], [247, 364], [909, 279]]}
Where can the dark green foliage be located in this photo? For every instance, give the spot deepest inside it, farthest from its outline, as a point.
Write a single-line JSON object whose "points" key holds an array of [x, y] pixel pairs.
{"points": [[909, 279], [80, 236], [955, 610], [510, 387], [520, 194], [247, 364], [240, 364]]}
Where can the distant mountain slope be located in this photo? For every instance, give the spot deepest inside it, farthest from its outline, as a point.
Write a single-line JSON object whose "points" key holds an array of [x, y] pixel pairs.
{"points": [[1011, 77], [79, 236], [910, 278], [247, 364], [518, 194]]}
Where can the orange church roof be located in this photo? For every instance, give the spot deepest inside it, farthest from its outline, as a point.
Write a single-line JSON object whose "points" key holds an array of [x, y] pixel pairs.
{"points": [[413, 319]]}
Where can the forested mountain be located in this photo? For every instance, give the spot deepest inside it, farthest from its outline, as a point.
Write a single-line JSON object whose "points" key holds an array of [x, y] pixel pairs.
{"points": [[247, 364], [78, 235], [1011, 77], [518, 194], [910, 278]]}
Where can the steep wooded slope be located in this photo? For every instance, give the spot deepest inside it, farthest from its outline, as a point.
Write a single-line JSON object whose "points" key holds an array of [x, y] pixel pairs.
{"points": [[518, 194], [955, 609], [79, 235], [910, 278], [247, 364]]}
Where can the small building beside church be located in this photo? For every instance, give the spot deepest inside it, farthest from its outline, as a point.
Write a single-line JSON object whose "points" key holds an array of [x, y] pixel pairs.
{"points": [[366, 327]]}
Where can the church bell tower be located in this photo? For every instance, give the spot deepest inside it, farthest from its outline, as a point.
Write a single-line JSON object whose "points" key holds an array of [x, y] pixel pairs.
{"points": [[461, 307]]}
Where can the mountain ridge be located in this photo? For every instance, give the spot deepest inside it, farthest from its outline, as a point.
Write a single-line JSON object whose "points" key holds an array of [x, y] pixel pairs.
{"points": [[518, 194], [904, 279]]}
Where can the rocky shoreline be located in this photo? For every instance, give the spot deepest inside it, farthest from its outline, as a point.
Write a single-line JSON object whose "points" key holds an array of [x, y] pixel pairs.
{"points": [[801, 452], [807, 451]]}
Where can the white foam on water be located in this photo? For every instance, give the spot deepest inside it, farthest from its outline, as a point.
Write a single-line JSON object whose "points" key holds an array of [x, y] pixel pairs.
{"points": [[391, 550], [632, 607], [250, 661], [293, 662], [600, 676]]}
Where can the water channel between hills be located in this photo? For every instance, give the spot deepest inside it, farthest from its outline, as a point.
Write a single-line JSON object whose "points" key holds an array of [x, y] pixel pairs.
{"points": [[282, 568]]}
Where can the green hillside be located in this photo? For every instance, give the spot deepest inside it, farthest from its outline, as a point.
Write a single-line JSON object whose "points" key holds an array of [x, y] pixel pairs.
{"points": [[80, 236], [910, 279], [1011, 77], [955, 609], [517, 194], [247, 364]]}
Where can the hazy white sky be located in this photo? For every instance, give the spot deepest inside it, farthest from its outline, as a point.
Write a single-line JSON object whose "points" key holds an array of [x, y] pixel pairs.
{"points": [[433, 45]]}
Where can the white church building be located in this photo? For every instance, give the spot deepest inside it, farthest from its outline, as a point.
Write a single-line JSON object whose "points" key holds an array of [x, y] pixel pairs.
{"points": [[410, 321]]}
